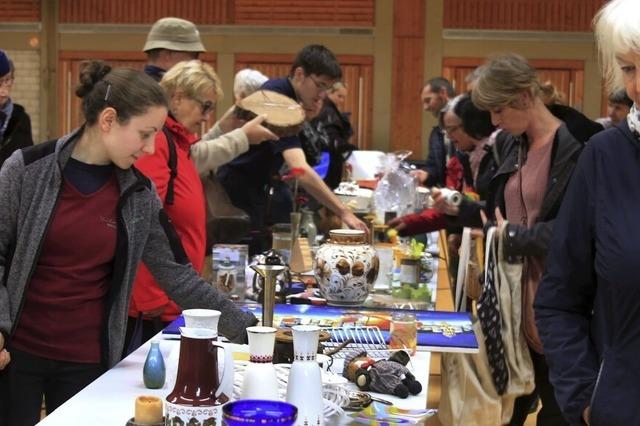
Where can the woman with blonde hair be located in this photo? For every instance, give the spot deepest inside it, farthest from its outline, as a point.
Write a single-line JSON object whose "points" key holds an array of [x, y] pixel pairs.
{"points": [[537, 157], [193, 89], [587, 304]]}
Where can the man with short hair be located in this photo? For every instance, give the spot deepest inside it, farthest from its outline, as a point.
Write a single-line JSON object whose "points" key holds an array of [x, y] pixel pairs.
{"points": [[619, 105], [435, 95], [171, 40], [252, 176]]}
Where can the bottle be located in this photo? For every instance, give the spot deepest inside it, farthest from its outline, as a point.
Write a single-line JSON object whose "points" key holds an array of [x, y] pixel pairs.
{"points": [[154, 371]]}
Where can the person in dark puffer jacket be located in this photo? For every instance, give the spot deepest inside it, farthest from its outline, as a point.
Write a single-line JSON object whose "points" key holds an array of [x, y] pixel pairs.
{"points": [[587, 305]]}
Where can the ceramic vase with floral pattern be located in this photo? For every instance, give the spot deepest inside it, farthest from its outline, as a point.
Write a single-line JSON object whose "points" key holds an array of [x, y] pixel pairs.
{"points": [[346, 267]]}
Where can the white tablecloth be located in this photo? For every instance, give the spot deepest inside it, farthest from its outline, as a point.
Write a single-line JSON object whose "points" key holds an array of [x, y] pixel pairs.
{"points": [[110, 400]]}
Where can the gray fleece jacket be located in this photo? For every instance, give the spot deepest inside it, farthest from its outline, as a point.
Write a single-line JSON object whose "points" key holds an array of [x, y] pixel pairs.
{"points": [[31, 180]]}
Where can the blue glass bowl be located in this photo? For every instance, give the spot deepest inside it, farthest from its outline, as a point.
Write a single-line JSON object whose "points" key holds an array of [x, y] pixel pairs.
{"points": [[259, 412]]}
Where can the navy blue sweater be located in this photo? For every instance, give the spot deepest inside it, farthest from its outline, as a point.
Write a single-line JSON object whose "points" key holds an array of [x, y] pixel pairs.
{"points": [[588, 304]]}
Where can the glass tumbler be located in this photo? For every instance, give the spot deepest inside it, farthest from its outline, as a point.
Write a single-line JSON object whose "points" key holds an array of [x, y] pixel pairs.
{"points": [[404, 333]]}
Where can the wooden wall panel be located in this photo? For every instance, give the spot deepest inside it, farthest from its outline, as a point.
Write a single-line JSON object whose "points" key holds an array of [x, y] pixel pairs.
{"points": [[20, 10], [357, 73], [407, 77], [457, 75], [207, 12], [604, 100], [69, 105], [352, 13], [529, 15]]}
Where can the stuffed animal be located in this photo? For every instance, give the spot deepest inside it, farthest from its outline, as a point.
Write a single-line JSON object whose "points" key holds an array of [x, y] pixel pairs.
{"points": [[387, 376]]}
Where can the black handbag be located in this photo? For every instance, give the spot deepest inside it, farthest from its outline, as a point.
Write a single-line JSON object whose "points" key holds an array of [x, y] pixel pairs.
{"points": [[226, 223]]}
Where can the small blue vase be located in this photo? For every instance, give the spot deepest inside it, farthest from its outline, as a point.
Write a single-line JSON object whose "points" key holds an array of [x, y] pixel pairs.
{"points": [[154, 371]]}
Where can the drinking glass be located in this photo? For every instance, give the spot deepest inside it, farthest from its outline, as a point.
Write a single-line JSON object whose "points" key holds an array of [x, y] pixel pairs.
{"points": [[404, 334]]}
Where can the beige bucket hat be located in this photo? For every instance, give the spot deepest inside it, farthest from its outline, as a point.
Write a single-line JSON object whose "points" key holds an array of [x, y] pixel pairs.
{"points": [[174, 34]]}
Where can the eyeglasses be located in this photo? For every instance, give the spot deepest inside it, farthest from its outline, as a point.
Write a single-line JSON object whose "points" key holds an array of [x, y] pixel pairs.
{"points": [[6, 81], [452, 129], [207, 106], [320, 85]]}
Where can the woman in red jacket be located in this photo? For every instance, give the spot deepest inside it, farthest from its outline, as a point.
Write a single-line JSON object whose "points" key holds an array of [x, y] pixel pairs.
{"points": [[192, 90]]}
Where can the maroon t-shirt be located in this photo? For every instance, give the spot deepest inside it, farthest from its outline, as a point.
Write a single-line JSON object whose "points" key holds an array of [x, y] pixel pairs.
{"points": [[64, 306]]}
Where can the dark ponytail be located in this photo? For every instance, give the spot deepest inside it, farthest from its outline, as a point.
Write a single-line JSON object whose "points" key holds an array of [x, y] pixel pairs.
{"points": [[128, 91]]}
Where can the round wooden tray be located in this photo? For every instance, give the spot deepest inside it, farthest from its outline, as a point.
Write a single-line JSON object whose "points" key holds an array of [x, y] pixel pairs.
{"points": [[284, 115]]}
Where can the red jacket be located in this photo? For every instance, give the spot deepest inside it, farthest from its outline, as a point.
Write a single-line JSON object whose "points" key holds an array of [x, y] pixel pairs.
{"points": [[430, 220], [187, 215]]}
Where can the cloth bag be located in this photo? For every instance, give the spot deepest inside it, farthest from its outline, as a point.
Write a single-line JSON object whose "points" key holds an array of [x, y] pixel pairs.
{"points": [[469, 396], [469, 268], [509, 276], [225, 222]]}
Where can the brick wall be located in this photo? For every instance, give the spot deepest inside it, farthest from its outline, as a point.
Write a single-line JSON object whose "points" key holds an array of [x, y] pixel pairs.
{"points": [[26, 88]]}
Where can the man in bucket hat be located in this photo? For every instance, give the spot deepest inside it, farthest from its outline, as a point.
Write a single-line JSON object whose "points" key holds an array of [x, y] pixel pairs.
{"points": [[171, 40], [15, 124]]}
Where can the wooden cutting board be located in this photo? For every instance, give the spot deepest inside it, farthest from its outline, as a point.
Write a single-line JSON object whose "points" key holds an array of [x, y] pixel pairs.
{"points": [[284, 115]]}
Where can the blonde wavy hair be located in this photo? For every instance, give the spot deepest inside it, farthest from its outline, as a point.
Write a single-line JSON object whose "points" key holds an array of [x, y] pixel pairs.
{"points": [[617, 32], [502, 80], [193, 78]]}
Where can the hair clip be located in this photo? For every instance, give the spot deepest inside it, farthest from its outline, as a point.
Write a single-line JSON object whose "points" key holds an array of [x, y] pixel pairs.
{"points": [[106, 95]]}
